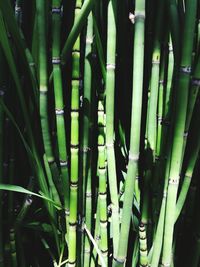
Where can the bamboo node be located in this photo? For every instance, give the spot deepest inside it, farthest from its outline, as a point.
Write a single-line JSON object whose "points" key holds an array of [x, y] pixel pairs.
{"points": [[196, 81], [67, 212], [86, 149], [156, 62], [185, 69], [31, 64], [188, 176], [110, 66], [63, 163], [134, 157], [173, 181], [139, 15], [120, 260], [59, 111], [56, 60], [88, 194], [18, 9], [89, 40], [56, 10]]}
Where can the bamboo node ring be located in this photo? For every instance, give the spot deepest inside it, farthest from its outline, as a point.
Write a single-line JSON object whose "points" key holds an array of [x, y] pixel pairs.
{"points": [[56, 10], [63, 163], [196, 81], [185, 69], [110, 66], [89, 40], [55, 60], [18, 8], [173, 181], [59, 111], [133, 157]]}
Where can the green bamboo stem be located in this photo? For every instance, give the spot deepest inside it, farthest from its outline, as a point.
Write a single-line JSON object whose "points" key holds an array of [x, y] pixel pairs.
{"points": [[135, 256], [110, 97], [74, 168], [154, 85], [143, 245], [193, 92], [158, 239], [102, 182], [178, 135], [59, 103], [76, 29], [86, 140], [138, 65], [43, 86]]}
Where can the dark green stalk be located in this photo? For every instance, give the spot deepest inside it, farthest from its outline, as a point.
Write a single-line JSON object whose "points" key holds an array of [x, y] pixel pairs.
{"points": [[43, 84], [1, 180], [110, 98], [189, 169], [132, 172], [178, 135], [13, 248]]}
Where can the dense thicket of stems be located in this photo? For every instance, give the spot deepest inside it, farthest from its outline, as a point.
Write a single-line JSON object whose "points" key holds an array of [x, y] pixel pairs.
{"points": [[99, 129]]}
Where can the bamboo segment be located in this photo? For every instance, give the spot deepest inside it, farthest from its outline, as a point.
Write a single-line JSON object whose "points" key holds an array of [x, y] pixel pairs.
{"points": [[138, 65], [74, 168], [87, 140], [178, 135], [102, 182], [59, 103], [110, 96], [43, 87]]}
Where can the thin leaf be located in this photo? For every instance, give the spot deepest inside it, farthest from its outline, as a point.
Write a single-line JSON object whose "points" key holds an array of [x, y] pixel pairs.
{"points": [[20, 189]]}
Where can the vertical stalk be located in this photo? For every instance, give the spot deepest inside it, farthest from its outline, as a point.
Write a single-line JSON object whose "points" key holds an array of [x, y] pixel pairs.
{"points": [[102, 181], [74, 168], [110, 99], [138, 66], [43, 86], [59, 103], [179, 127], [86, 140]]}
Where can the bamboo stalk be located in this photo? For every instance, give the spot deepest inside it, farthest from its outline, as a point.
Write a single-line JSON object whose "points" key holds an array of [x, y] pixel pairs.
{"points": [[102, 182], [110, 97], [178, 135], [138, 65], [74, 168], [86, 140], [59, 101]]}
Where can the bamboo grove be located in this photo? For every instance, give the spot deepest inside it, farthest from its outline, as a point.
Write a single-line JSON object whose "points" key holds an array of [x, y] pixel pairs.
{"points": [[99, 133]]}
